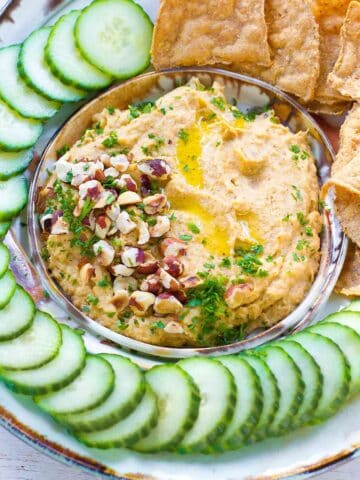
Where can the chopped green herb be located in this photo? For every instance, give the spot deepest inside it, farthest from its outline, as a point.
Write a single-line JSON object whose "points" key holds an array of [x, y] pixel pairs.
{"points": [[287, 217], [186, 237], [297, 258], [163, 110], [172, 217], [183, 135], [295, 149], [225, 262], [301, 244], [61, 151], [219, 102], [92, 299], [309, 231], [302, 219], [111, 110], [193, 228], [136, 110], [186, 168], [85, 308], [105, 282], [209, 266], [111, 141], [296, 194], [69, 176]]}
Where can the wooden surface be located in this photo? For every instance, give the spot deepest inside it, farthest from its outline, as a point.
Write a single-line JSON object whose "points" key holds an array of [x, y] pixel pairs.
{"points": [[18, 461]]}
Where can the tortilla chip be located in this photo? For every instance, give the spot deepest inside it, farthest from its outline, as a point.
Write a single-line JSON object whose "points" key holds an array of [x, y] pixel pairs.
{"points": [[198, 32], [293, 37], [349, 281], [346, 75], [330, 15], [349, 139], [332, 108]]}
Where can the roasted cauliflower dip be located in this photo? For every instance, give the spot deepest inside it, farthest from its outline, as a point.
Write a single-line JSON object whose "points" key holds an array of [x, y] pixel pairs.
{"points": [[183, 222]]}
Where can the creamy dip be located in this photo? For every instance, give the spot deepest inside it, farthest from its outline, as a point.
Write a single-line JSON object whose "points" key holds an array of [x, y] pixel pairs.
{"points": [[184, 222]]}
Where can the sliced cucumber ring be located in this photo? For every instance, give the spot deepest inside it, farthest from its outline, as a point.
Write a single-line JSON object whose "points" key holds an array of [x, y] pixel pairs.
{"points": [[311, 375], [36, 346], [16, 132], [353, 306], [91, 388], [4, 228], [14, 195], [348, 318], [349, 343], [37, 74], [17, 316], [270, 396], [218, 398], [17, 94], [13, 163], [4, 259], [56, 374], [128, 391], [334, 369], [7, 288], [115, 35], [179, 401], [65, 60], [249, 403], [129, 430]]}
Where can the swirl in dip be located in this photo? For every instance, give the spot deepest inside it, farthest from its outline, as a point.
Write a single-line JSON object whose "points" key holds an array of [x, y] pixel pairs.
{"points": [[183, 222]]}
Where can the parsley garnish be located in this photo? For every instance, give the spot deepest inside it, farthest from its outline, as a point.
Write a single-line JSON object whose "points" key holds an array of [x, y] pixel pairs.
{"points": [[193, 228], [61, 151], [296, 194], [111, 110], [249, 262], [136, 110], [111, 141], [185, 237], [225, 262], [219, 102], [183, 135]]}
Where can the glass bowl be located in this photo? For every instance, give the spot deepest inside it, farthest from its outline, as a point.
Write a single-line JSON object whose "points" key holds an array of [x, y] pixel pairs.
{"points": [[247, 93]]}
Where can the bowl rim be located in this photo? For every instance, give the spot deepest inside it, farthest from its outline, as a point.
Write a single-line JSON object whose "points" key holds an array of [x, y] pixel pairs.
{"points": [[300, 317]]}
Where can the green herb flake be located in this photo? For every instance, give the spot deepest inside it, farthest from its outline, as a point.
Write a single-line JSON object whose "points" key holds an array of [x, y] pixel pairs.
{"points": [[111, 141], [111, 110], [92, 299], [225, 262], [296, 194], [185, 237], [219, 102], [183, 135], [193, 228], [61, 151]]}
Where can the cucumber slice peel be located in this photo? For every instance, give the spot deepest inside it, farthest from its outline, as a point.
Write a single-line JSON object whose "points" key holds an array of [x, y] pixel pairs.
{"points": [[115, 35], [129, 430], [353, 306], [14, 195], [15, 92], [13, 163], [37, 74], [178, 400], [349, 318], [4, 228], [92, 387], [127, 393], [7, 288], [4, 259], [56, 374], [218, 397], [38, 345], [17, 316]]}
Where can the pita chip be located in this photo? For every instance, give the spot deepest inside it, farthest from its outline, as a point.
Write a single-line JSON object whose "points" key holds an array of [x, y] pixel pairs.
{"points": [[349, 139], [346, 75], [349, 280], [198, 32]]}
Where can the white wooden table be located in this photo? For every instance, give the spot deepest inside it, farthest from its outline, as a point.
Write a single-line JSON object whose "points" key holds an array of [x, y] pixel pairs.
{"points": [[18, 461]]}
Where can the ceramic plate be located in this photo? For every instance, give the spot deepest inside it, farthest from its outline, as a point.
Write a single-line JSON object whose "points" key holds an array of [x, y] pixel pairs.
{"points": [[301, 453]]}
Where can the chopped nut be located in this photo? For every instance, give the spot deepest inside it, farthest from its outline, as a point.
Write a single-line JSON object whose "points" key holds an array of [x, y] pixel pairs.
{"points": [[78, 209], [236, 295], [63, 168], [105, 159], [132, 256], [87, 271], [120, 162], [173, 266], [121, 300], [59, 226], [102, 226], [167, 304], [91, 189], [169, 282], [155, 203], [128, 284], [111, 172], [126, 181], [174, 328], [84, 171], [161, 227], [145, 185], [107, 197], [149, 265], [152, 284], [104, 252], [128, 198], [113, 212], [46, 222], [190, 282], [155, 168], [124, 223], [140, 302], [144, 235], [121, 270], [171, 246]]}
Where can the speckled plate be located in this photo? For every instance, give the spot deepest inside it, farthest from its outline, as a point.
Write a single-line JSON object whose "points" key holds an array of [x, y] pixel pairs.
{"points": [[299, 454]]}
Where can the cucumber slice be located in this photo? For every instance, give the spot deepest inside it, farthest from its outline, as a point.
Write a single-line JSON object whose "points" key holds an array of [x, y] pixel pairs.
{"points": [[14, 196], [17, 94], [13, 163], [248, 406], [91, 388], [348, 318], [37, 74], [270, 395], [56, 374], [4, 227], [65, 60], [128, 391], [17, 316], [334, 369], [36, 346], [129, 430], [179, 401], [16, 132], [311, 375], [7, 288], [349, 343], [353, 306], [115, 35], [4, 259], [291, 386], [218, 398]]}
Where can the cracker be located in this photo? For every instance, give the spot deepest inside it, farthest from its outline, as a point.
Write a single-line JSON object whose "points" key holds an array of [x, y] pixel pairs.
{"points": [[346, 75], [329, 108], [198, 32], [349, 139], [349, 280]]}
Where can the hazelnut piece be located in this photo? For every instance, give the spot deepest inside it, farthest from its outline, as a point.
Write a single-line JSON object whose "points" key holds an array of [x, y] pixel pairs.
{"points": [[172, 246], [140, 302], [166, 303]]}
